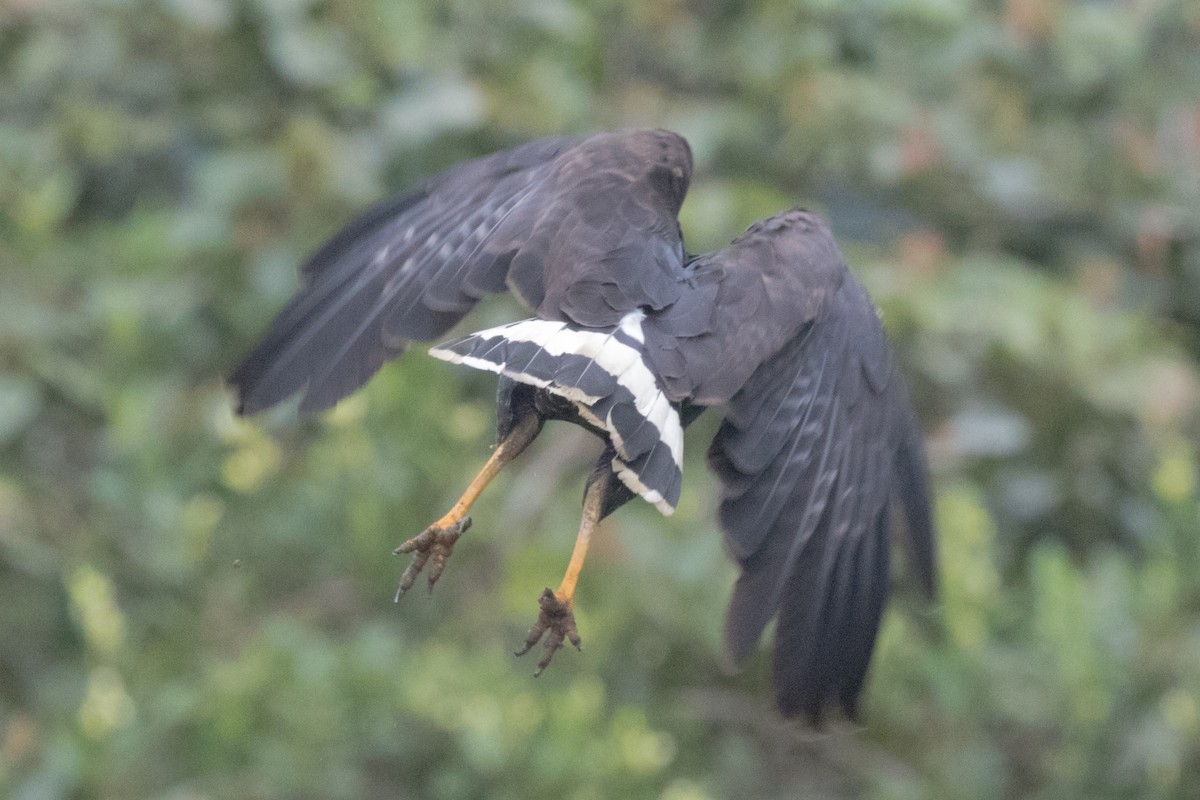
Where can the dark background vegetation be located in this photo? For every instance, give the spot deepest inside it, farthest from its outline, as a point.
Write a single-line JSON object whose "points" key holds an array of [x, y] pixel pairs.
{"points": [[197, 606]]}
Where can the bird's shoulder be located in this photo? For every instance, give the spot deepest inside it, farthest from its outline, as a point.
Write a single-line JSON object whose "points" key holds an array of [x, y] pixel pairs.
{"points": [[745, 303]]}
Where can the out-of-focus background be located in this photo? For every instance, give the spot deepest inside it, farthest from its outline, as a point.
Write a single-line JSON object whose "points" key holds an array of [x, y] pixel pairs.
{"points": [[197, 606]]}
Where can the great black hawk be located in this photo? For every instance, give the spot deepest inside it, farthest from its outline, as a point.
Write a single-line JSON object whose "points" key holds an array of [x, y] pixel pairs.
{"points": [[632, 338]]}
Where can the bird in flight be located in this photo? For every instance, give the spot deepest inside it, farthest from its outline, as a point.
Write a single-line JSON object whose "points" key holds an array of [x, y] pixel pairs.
{"points": [[632, 338]]}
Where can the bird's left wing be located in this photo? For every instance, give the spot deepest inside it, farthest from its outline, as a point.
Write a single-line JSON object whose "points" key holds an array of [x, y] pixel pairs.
{"points": [[817, 441], [814, 449], [580, 229]]}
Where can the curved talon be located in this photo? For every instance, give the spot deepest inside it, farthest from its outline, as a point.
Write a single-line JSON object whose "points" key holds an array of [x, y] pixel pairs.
{"points": [[436, 542], [556, 621]]}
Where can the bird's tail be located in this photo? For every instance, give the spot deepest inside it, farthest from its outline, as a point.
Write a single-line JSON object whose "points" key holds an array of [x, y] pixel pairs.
{"points": [[603, 372]]}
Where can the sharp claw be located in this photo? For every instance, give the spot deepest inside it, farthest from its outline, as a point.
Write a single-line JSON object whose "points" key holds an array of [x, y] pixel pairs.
{"points": [[434, 542], [530, 641], [409, 576], [555, 623]]}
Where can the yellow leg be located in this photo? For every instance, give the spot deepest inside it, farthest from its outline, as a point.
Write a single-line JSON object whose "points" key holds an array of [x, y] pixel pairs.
{"points": [[592, 503], [437, 541], [499, 458], [556, 617]]}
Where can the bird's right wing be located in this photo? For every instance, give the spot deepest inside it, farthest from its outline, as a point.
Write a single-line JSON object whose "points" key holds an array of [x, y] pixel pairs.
{"points": [[813, 449], [580, 229]]}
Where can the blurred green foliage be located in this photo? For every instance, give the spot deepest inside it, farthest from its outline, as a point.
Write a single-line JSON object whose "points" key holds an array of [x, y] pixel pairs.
{"points": [[197, 606]]}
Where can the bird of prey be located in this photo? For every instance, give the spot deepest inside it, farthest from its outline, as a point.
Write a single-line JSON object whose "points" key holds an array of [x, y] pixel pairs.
{"points": [[632, 338]]}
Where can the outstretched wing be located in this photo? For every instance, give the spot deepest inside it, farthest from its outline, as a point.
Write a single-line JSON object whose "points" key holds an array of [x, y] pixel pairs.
{"points": [[812, 452], [580, 229], [817, 442]]}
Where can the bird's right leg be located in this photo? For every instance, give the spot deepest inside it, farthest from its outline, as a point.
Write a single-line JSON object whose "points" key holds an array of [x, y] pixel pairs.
{"points": [[556, 614], [436, 543]]}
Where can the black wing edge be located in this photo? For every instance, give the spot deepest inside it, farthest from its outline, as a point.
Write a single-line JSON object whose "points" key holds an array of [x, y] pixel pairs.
{"points": [[257, 388], [819, 561], [841, 596], [913, 492], [383, 281]]}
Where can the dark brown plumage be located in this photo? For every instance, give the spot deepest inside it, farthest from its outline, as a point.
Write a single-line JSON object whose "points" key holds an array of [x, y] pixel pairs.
{"points": [[632, 339]]}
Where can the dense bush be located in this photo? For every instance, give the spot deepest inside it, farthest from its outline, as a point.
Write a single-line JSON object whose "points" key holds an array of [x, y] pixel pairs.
{"points": [[194, 605]]}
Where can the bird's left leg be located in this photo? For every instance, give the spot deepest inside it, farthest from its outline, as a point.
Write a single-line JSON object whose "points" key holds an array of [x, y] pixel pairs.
{"points": [[436, 542], [556, 618]]}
